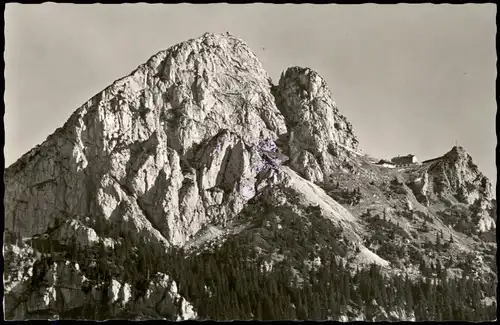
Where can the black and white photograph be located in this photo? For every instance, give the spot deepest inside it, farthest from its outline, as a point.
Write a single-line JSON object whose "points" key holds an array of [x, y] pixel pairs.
{"points": [[253, 161]]}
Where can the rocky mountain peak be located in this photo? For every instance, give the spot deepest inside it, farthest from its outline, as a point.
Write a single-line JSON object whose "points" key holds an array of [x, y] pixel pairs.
{"points": [[202, 73], [455, 176], [194, 171], [320, 137], [457, 153], [131, 144], [310, 110]]}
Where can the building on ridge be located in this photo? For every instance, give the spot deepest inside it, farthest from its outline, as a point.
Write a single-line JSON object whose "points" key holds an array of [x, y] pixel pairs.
{"points": [[405, 160], [386, 163]]}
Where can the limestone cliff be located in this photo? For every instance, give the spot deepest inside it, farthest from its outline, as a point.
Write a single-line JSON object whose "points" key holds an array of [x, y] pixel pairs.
{"points": [[454, 178], [319, 136], [171, 147], [160, 189], [128, 151]]}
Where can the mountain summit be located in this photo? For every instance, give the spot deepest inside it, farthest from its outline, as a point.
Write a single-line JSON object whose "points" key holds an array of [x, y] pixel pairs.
{"points": [[194, 188]]}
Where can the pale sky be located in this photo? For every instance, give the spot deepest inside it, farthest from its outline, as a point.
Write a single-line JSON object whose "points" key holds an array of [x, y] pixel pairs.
{"points": [[410, 78]]}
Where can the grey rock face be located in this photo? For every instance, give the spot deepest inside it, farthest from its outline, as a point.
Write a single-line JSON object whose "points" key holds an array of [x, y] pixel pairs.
{"points": [[162, 152], [462, 176], [456, 176], [122, 151], [453, 176], [319, 134], [63, 284], [161, 295], [174, 152]]}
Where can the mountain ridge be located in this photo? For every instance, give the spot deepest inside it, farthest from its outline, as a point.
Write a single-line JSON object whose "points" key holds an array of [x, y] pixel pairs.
{"points": [[184, 152]]}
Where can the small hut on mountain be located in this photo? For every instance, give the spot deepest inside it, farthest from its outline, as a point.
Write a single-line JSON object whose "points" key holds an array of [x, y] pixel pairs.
{"points": [[404, 160], [386, 163]]}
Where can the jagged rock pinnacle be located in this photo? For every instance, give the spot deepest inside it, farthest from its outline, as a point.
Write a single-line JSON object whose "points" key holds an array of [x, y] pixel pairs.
{"points": [[316, 127], [457, 152], [455, 175], [125, 147], [196, 147]]}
